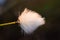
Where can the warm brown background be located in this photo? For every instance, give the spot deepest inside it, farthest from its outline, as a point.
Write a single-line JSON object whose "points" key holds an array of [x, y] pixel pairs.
{"points": [[50, 9]]}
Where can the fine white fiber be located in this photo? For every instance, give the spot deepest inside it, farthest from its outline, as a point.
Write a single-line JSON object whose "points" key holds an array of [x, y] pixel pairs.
{"points": [[30, 20]]}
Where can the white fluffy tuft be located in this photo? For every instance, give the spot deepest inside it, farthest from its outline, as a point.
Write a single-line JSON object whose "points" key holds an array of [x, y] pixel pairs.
{"points": [[30, 21]]}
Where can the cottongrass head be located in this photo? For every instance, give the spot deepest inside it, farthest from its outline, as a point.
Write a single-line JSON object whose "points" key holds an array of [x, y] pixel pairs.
{"points": [[30, 20]]}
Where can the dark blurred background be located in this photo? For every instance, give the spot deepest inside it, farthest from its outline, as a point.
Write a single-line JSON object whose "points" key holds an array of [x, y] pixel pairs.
{"points": [[50, 9]]}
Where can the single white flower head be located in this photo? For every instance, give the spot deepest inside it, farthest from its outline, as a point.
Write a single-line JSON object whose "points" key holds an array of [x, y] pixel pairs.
{"points": [[30, 20]]}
